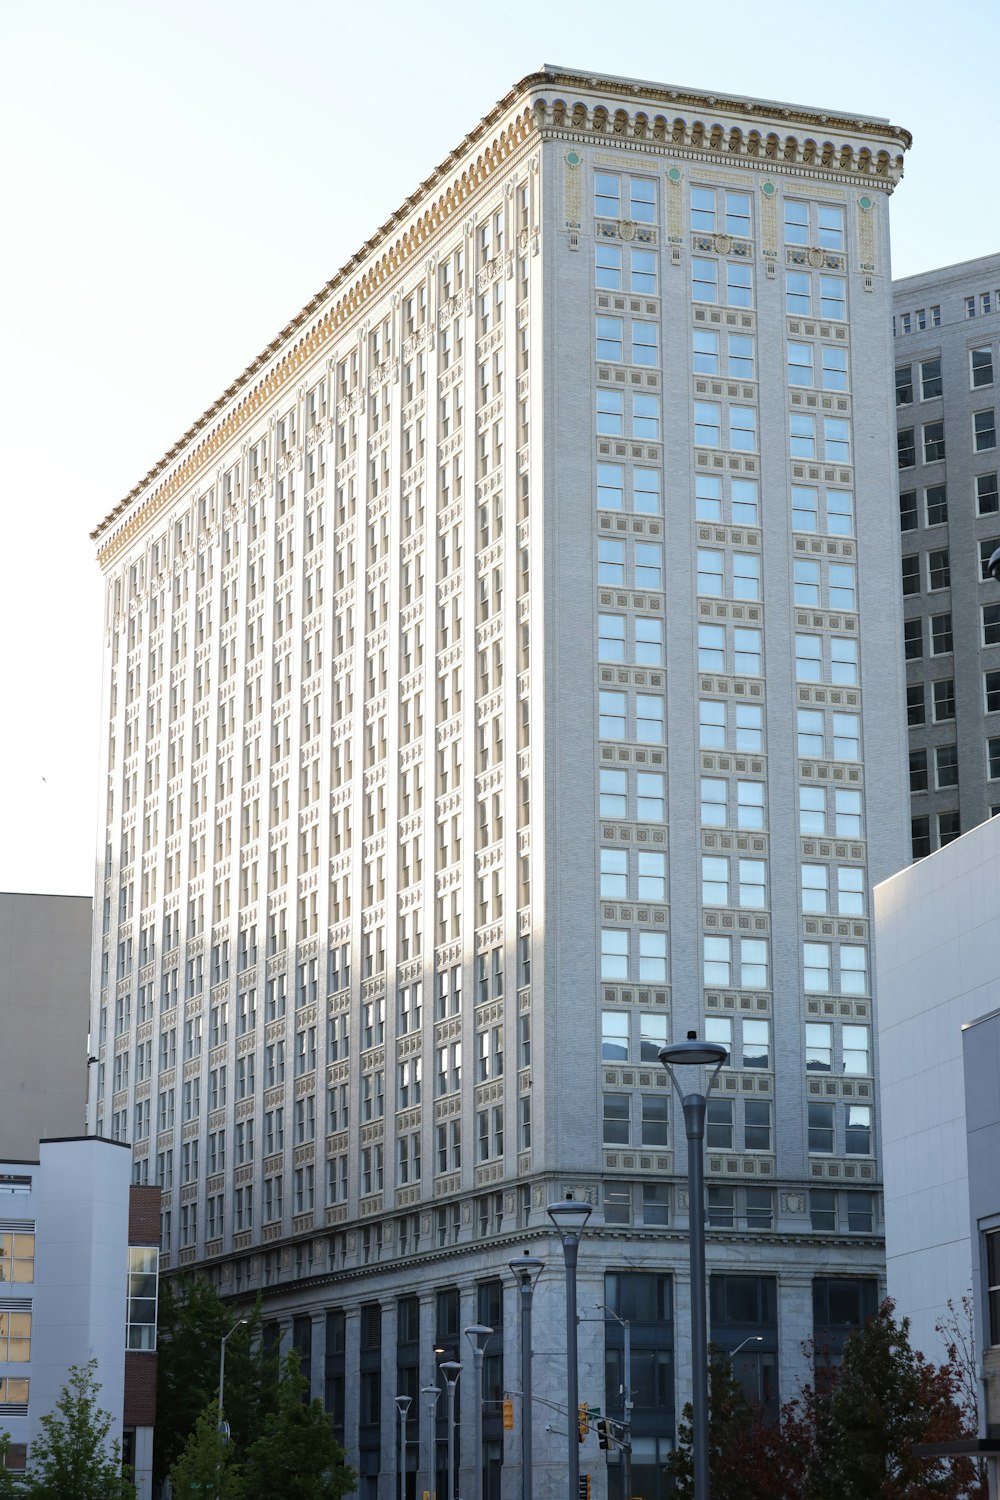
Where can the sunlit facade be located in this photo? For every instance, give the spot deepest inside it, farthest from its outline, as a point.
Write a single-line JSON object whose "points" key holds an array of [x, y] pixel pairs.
{"points": [[501, 679]]}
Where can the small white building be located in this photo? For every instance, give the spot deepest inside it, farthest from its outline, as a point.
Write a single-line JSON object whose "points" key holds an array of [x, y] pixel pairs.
{"points": [[69, 1290], [938, 947]]}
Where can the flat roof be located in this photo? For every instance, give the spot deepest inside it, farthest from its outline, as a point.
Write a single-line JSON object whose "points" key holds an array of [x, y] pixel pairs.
{"points": [[685, 92], [960, 271], [990, 1015]]}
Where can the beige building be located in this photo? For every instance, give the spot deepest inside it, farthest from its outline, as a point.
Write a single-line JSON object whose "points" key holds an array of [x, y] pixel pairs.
{"points": [[45, 945], [500, 679]]}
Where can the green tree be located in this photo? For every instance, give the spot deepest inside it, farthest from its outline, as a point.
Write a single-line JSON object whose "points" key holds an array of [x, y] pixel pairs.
{"points": [[192, 1322], [296, 1455], [206, 1467], [72, 1457]]}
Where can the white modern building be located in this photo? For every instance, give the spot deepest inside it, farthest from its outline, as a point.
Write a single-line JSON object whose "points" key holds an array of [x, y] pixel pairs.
{"points": [[500, 680], [938, 926], [73, 1288], [981, 1046], [938, 929]]}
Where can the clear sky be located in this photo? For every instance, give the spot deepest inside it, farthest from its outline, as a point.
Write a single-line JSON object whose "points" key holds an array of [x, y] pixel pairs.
{"points": [[178, 177]]}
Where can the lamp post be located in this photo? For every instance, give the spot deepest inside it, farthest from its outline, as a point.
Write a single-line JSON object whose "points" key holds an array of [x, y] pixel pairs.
{"points": [[431, 1394], [626, 1404], [223, 1424], [570, 1219], [403, 1407], [527, 1270], [451, 1369], [755, 1338], [695, 1053], [479, 1336]]}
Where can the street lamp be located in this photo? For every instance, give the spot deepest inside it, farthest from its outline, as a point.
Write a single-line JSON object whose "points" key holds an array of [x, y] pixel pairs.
{"points": [[626, 1444], [451, 1369], [698, 1054], [403, 1406], [431, 1394], [527, 1270], [223, 1424], [755, 1338], [570, 1219], [479, 1336]]}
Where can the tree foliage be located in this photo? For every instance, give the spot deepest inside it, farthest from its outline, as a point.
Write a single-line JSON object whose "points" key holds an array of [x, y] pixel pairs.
{"points": [[296, 1455], [750, 1458], [958, 1330], [192, 1322], [884, 1400], [849, 1435], [206, 1466], [72, 1457], [281, 1444], [7, 1485]]}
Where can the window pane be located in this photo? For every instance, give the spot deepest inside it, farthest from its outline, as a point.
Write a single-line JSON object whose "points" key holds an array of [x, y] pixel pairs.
{"points": [[749, 804], [616, 1119], [756, 1044], [713, 803], [610, 486], [705, 352], [652, 1036], [719, 1125], [614, 879], [614, 1035]]}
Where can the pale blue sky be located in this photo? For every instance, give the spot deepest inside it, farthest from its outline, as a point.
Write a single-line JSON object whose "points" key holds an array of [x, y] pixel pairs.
{"points": [[179, 178]]}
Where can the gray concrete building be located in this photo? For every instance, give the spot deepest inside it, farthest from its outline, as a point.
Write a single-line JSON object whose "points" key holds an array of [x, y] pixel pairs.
{"points": [[500, 680], [45, 951], [947, 348]]}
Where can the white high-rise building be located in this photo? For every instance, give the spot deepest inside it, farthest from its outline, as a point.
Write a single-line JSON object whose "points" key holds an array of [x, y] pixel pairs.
{"points": [[504, 676]]}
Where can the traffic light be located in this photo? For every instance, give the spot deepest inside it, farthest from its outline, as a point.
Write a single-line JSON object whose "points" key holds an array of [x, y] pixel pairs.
{"points": [[603, 1433], [582, 1420], [584, 1487], [508, 1416]]}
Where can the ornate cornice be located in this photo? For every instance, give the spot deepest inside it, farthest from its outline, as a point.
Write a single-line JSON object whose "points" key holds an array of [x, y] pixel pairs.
{"points": [[717, 106], [321, 318], [545, 103], [720, 128]]}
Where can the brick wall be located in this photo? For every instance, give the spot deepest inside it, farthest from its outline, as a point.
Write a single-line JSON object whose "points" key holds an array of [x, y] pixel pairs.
{"points": [[143, 1215], [140, 1390]]}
